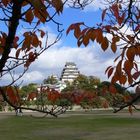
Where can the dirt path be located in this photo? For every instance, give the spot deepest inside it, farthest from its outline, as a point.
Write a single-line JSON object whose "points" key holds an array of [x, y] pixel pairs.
{"points": [[135, 114], [4, 115]]}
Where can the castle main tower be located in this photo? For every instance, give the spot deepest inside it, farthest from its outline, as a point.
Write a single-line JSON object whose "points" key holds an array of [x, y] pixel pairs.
{"points": [[70, 72]]}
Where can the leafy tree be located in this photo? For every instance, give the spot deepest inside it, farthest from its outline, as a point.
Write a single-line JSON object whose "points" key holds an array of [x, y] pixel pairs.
{"points": [[118, 30], [83, 82], [25, 90], [22, 50], [115, 94], [83, 91], [50, 80], [89, 92]]}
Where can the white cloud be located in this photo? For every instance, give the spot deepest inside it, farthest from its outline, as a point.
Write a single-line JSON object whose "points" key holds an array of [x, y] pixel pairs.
{"points": [[33, 76], [90, 61], [102, 4], [95, 5], [90, 6]]}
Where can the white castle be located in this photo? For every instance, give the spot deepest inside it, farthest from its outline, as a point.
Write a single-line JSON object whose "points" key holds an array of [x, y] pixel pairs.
{"points": [[69, 73]]}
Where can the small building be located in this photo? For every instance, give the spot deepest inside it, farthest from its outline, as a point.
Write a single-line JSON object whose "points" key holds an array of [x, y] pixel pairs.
{"points": [[59, 86], [70, 72]]}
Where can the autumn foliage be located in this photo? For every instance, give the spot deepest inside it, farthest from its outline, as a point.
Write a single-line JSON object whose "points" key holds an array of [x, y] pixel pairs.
{"points": [[19, 51], [119, 30], [126, 68]]}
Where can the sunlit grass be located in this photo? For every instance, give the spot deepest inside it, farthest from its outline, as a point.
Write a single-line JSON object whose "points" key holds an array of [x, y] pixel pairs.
{"points": [[84, 126]]}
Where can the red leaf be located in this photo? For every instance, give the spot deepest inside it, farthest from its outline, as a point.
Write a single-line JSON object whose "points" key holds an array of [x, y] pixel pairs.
{"points": [[17, 53], [119, 68], [130, 79], [15, 42], [110, 72], [104, 43], [32, 96], [58, 5], [35, 41], [112, 89], [136, 75], [5, 2], [85, 40], [41, 15], [113, 47], [121, 19], [107, 69], [123, 79], [13, 97], [115, 10], [27, 64], [77, 31], [128, 65], [130, 53], [91, 33], [137, 28], [100, 39], [114, 79], [74, 26], [29, 16], [108, 27], [42, 33]]}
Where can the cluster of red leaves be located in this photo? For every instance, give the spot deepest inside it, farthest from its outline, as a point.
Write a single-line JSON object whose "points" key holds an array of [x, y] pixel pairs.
{"points": [[53, 96], [31, 41], [88, 34], [90, 99], [13, 96], [78, 97], [126, 68], [3, 37], [32, 96], [40, 10], [37, 11]]}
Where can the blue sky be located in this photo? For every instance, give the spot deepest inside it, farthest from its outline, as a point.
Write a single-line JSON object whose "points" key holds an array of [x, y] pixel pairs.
{"points": [[70, 15], [90, 60]]}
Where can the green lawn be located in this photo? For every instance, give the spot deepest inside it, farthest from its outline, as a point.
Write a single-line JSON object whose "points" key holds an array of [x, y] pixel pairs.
{"points": [[90, 126]]}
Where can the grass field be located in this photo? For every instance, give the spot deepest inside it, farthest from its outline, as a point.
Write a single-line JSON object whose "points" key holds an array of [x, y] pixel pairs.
{"points": [[72, 126]]}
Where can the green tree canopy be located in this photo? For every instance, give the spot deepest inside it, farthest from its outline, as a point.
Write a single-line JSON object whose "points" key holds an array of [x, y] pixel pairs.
{"points": [[25, 90], [83, 82], [50, 80]]}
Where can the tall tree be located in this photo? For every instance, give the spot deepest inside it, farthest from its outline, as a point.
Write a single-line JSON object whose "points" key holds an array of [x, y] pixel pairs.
{"points": [[22, 50], [120, 31]]}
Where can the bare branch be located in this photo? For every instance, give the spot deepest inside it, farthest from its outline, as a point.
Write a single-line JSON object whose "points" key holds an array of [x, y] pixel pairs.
{"points": [[127, 104]]}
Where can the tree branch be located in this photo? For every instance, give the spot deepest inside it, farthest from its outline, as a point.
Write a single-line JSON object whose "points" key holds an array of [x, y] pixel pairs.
{"points": [[11, 32], [128, 104]]}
